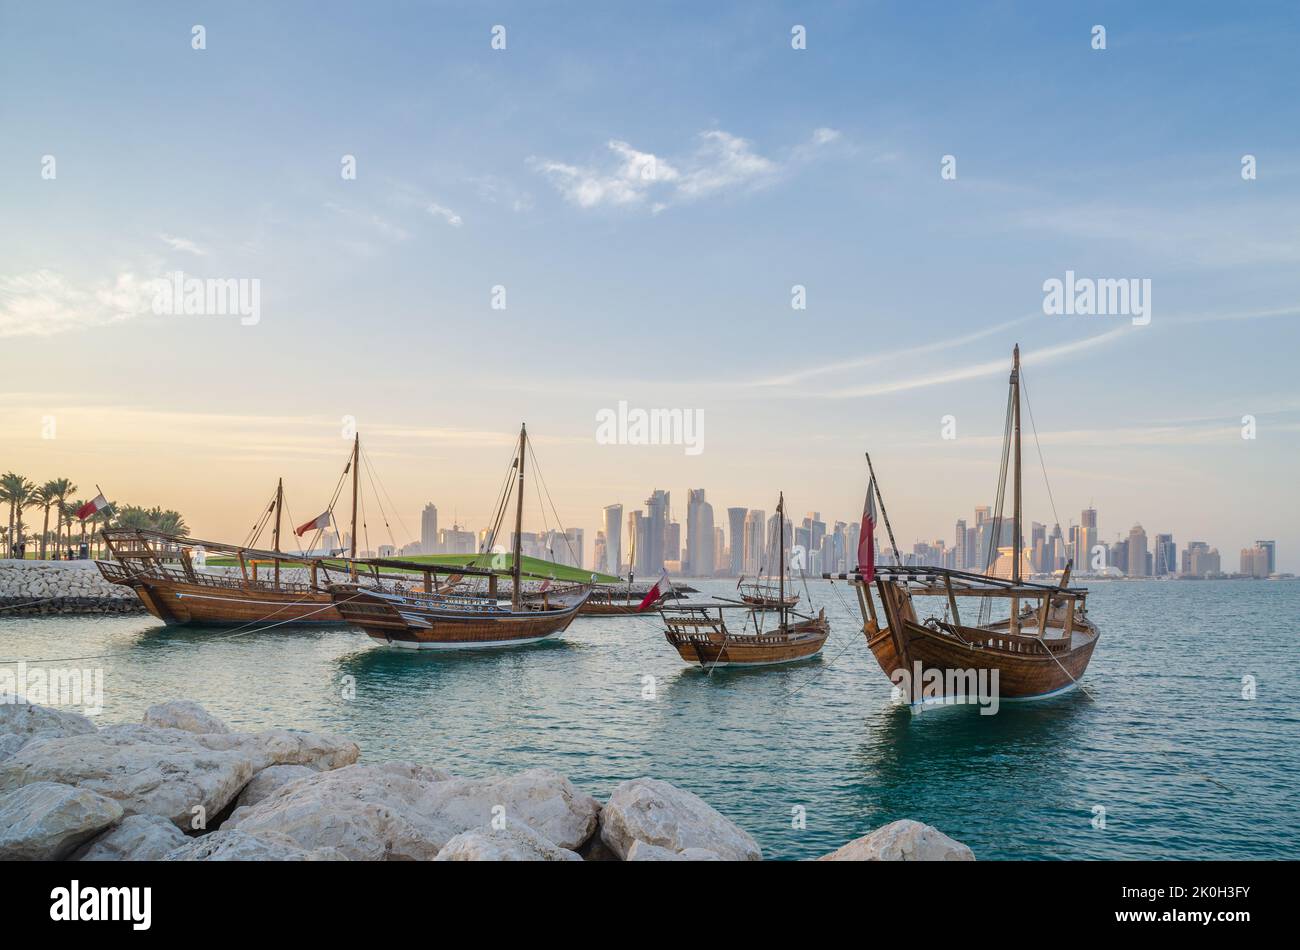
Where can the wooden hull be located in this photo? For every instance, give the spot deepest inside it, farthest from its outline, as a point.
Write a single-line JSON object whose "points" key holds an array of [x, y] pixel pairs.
{"points": [[768, 603], [1021, 675], [175, 602], [406, 623], [800, 641]]}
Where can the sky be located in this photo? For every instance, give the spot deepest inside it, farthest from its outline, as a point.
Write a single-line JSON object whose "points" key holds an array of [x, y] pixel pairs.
{"points": [[643, 186]]}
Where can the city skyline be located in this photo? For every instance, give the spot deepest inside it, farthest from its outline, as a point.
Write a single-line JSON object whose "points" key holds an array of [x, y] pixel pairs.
{"points": [[782, 253]]}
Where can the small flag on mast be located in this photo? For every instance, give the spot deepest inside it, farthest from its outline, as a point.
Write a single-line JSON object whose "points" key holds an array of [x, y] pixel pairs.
{"points": [[867, 539], [320, 521], [94, 506], [662, 587]]}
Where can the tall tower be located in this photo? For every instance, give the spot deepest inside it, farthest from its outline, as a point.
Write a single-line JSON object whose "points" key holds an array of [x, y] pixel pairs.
{"points": [[429, 529], [613, 541], [736, 538]]}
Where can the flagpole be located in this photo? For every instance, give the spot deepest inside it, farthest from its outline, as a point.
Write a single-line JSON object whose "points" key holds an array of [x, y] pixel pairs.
{"points": [[883, 513]]}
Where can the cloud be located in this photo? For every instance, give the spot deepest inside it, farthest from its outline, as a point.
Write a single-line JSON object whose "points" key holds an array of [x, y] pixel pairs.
{"points": [[438, 211], [183, 244], [45, 303], [635, 178]]}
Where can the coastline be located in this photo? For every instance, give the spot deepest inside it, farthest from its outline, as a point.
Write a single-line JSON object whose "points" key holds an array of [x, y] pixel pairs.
{"points": [[181, 786]]}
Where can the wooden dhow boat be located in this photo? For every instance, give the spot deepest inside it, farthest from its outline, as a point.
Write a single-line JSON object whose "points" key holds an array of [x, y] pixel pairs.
{"points": [[765, 596], [1040, 649], [433, 619], [168, 572], [701, 634]]}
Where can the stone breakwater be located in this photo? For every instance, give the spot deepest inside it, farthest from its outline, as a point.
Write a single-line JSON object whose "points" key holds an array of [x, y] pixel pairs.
{"points": [[60, 587], [181, 786]]}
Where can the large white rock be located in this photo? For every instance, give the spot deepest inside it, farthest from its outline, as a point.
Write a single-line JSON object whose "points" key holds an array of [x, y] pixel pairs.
{"points": [[368, 813], [640, 851], [148, 771], [184, 714], [22, 722], [46, 821], [269, 747], [134, 838], [223, 845], [542, 799], [649, 810], [513, 842], [269, 780], [904, 840]]}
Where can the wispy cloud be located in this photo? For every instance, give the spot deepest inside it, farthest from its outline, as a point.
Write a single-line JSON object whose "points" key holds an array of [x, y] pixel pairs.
{"points": [[45, 303], [439, 211], [632, 177], [183, 244]]}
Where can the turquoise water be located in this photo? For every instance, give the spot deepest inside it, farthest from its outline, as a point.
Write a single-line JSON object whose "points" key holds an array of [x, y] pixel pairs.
{"points": [[1162, 738]]}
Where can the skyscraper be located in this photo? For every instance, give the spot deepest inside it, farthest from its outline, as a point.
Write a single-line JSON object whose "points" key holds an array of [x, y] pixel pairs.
{"points": [[1165, 556], [429, 529], [650, 549], [600, 553], [754, 541], [959, 544], [699, 534], [1138, 557], [736, 537], [613, 541], [1271, 548], [1086, 539]]}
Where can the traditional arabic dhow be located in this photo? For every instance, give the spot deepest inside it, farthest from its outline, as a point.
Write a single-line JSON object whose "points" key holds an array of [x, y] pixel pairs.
{"points": [[1041, 648], [701, 634], [440, 619]]}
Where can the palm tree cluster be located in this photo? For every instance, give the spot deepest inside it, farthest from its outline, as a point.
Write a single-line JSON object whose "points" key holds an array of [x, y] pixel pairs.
{"points": [[53, 496]]}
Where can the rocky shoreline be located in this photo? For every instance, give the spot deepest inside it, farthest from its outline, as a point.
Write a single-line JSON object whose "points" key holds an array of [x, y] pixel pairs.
{"points": [[34, 588], [181, 786]]}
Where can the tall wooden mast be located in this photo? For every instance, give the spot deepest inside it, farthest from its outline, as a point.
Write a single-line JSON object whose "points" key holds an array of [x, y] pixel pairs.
{"points": [[1014, 623], [519, 522], [356, 458], [1015, 386], [780, 546], [279, 505]]}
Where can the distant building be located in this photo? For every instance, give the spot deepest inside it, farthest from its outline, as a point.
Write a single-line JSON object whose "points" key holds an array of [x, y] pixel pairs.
{"points": [[601, 554], [754, 541], [429, 529], [613, 560], [1271, 548], [1255, 561], [1165, 555], [1139, 560], [736, 529], [455, 540], [700, 542], [959, 544], [1200, 560], [650, 548]]}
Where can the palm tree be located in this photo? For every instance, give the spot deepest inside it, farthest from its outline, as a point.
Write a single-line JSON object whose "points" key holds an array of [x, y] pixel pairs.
{"points": [[61, 488], [44, 498], [18, 492], [169, 522]]}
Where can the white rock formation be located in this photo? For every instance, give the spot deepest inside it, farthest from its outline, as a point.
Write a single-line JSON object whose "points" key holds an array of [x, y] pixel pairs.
{"points": [[234, 845], [134, 838], [148, 771], [640, 851], [184, 714], [515, 841], [269, 780], [22, 722], [542, 799], [646, 809], [46, 821], [903, 840]]}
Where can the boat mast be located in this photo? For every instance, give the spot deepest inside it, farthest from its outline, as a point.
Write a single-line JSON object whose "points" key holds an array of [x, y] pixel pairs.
{"points": [[1015, 564], [519, 522], [279, 504], [780, 542], [1015, 387], [356, 457]]}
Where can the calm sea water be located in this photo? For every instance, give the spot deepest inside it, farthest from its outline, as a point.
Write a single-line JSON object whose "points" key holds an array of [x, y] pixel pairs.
{"points": [[1162, 739]]}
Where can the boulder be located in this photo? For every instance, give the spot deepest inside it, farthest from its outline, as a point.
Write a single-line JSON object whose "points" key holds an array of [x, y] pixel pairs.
{"points": [[22, 722], [542, 799], [184, 714], [223, 845], [46, 821], [904, 840], [134, 838], [269, 780], [640, 851], [515, 841], [148, 771], [649, 810], [367, 813], [318, 750]]}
